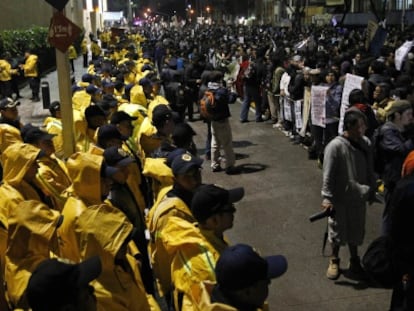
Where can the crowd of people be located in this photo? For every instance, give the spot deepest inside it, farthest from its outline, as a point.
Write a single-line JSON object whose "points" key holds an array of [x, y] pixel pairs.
{"points": [[130, 204]]}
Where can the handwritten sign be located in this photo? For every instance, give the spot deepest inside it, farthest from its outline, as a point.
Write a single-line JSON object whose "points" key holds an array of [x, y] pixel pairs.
{"points": [[318, 106], [351, 82]]}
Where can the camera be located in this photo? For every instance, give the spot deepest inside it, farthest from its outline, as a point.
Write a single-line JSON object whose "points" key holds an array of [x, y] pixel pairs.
{"points": [[325, 213]]}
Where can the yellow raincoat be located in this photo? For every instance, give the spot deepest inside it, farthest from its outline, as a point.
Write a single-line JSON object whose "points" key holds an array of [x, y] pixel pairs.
{"points": [[160, 173], [147, 140], [134, 110], [81, 100], [72, 54], [6, 71], [30, 66], [3, 246], [84, 171], [8, 136], [16, 160], [95, 49], [137, 96], [103, 230], [53, 178], [32, 232], [194, 256], [54, 126], [201, 299], [158, 218]]}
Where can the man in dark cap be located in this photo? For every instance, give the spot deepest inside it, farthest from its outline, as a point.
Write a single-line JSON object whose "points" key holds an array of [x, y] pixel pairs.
{"points": [[56, 285], [163, 120], [122, 197], [177, 202], [243, 277], [95, 117]]}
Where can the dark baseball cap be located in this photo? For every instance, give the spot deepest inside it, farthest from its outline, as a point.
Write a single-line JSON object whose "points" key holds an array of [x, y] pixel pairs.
{"points": [[240, 266], [94, 110], [32, 134], [8, 103], [184, 162], [115, 156], [109, 131], [160, 114], [210, 199], [54, 106], [145, 82], [119, 116], [183, 132], [55, 283], [92, 89], [87, 77]]}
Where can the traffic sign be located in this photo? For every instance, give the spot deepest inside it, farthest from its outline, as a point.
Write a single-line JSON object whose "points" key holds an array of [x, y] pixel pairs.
{"points": [[62, 32], [58, 4]]}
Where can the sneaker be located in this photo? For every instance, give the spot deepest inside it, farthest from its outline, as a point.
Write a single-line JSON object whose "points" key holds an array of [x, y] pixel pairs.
{"points": [[333, 269], [244, 121]]}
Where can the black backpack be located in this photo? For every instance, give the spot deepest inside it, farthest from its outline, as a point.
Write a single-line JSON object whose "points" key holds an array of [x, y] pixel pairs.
{"points": [[378, 262]]}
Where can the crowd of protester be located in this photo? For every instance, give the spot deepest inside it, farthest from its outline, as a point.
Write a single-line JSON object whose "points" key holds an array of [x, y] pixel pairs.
{"points": [[132, 193]]}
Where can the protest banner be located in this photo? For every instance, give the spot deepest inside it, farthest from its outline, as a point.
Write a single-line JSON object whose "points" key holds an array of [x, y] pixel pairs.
{"points": [[305, 110], [401, 53], [287, 113], [318, 107], [351, 82], [298, 114]]}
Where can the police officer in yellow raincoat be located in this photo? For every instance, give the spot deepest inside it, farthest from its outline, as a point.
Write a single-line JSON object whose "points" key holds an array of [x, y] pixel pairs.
{"points": [[53, 125], [31, 224], [9, 125], [176, 202], [195, 248], [32, 72], [243, 278], [93, 226], [52, 176]]}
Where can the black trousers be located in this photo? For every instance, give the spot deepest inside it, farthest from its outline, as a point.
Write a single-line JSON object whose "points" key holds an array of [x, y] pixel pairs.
{"points": [[34, 83], [5, 89], [85, 60]]}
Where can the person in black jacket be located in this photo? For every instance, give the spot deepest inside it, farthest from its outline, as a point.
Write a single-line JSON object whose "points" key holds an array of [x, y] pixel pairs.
{"points": [[402, 235]]}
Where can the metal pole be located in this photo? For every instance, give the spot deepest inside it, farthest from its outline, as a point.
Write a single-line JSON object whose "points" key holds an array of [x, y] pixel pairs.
{"points": [[65, 96]]}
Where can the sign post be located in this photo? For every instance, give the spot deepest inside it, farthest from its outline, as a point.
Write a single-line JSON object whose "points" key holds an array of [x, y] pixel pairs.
{"points": [[62, 32]]}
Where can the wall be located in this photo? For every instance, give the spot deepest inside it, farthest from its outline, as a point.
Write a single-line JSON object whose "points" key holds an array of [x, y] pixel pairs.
{"points": [[16, 14]]}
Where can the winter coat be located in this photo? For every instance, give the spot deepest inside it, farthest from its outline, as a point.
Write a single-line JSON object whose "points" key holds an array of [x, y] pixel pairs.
{"points": [[158, 218], [348, 183]]}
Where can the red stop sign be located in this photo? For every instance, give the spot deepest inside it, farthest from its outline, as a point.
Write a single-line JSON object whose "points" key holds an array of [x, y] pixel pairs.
{"points": [[62, 32]]}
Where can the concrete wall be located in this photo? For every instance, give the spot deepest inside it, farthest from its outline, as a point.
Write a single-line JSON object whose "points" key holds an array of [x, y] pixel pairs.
{"points": [[21, 14]]}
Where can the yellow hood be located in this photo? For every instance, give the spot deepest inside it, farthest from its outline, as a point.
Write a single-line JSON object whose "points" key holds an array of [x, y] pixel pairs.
{"points": [[8, 135], [16, 161], [85, 172], [32, 231], [103, 229]]}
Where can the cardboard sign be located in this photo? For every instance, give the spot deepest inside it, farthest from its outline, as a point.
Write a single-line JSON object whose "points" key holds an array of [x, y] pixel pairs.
{"points": [[58, 4], [62, 32], [318, 105], [351, 82]]}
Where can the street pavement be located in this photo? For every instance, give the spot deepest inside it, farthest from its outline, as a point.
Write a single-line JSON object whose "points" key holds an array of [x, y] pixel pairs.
{"points": [[282, 189]]}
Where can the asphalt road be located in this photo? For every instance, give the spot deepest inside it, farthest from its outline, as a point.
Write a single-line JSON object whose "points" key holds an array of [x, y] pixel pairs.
{"points": [[282, 189]]}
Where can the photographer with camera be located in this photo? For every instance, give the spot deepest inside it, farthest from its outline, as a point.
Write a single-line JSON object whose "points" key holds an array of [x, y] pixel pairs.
{"points": [[348, 184]]}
